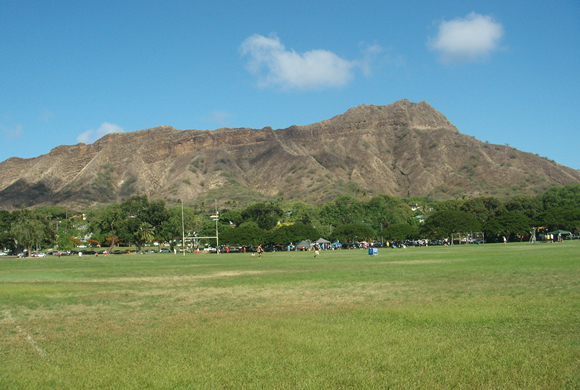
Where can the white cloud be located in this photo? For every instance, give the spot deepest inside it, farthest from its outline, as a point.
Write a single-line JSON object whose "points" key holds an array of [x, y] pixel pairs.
{"points": [[91, 135], [218, 117], [47, 115], [370, 54], [11, 133], [277, 67], [467, 39]]}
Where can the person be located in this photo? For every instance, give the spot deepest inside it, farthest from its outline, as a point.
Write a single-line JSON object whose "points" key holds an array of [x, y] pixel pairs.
{"points": [[260, 250], [80, 254], [504, 240], [316, 250]]}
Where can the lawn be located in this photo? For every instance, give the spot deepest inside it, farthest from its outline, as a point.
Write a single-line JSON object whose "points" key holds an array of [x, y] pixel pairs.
{"points": [[467, 317]]}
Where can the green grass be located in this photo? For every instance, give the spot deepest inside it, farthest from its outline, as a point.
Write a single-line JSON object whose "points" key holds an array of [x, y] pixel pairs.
{"points": [[465, 317]]}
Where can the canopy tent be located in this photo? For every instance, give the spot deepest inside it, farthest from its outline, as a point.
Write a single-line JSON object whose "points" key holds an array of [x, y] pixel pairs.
{"points": [[322, 241], [556, 232], [304, 244]]}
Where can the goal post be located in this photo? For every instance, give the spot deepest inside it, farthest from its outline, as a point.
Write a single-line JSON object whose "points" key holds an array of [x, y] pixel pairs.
{"points": [[467, 238]]}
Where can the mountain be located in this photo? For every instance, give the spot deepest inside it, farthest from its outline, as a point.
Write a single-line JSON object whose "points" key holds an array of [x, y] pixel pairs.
{"points": [[402, 149]]}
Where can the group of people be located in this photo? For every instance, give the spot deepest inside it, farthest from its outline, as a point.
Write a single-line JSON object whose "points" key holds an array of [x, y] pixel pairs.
{"points": [[554, 238], [260, 250]]}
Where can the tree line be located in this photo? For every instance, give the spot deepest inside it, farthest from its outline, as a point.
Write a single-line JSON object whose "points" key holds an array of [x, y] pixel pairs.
{"points": [[138, 220]]}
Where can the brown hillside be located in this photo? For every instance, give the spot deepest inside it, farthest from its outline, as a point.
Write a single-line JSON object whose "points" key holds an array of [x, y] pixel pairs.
{"points": [[402, 149]]}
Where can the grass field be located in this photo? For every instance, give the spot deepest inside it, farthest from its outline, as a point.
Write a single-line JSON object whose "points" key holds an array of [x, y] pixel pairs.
{"points": [[461, 317]]}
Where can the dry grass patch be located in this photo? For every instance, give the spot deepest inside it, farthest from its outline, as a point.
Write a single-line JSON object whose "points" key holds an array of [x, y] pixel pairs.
{"points": [[417, 262], [177, 278]]}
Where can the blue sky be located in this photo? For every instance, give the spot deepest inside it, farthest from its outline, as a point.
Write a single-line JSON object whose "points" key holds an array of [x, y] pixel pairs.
{"points": [[507, 72]]}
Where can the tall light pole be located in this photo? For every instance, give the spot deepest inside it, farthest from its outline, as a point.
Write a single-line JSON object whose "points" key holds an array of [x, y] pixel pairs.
{"points": [[182, 230], [216, 218]]}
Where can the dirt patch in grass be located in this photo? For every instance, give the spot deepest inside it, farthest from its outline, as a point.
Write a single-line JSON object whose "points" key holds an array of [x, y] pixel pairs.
{"points": [[416, 262], [177, 278]]}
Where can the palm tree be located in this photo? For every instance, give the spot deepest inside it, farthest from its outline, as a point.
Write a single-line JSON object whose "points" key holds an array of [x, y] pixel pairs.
{"points": [[146, 233]]}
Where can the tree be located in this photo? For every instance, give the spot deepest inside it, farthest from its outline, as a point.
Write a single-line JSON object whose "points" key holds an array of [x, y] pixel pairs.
{"points": [[483, 208], [300, 212], [233, 216], [243, 235], [108, 224], [63, 239], [451, 204], [138, 210], [30, 230], [353, 232], [565, 217], [561, 196], [291, 233], [528, 205], [52, 213], [345, 209], [400, 231], [6, 221], [145, 234], [383, 210], [266, 215], [172, 228], [443, 223], [508, 224]]}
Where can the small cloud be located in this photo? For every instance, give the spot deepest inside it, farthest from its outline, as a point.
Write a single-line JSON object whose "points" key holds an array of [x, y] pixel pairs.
{"points": [[277, 67], [91, 135], [218, 117], [11, 133], [370, 55], [467, 39], [47, 115]]}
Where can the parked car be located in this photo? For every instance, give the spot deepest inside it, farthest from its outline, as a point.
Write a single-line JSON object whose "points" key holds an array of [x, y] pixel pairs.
{"points": [[3, 254], [164, 250], [274, 248]]}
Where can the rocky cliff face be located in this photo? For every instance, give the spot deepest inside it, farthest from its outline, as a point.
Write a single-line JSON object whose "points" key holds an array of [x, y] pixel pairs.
{"points": [[402, 149]]}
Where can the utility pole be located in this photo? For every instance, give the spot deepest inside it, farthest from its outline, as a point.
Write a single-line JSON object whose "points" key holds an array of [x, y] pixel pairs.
{"points": [[216, 219], [182, 230]]}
